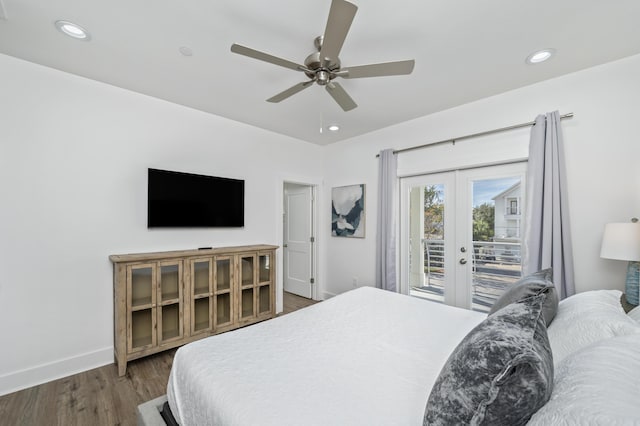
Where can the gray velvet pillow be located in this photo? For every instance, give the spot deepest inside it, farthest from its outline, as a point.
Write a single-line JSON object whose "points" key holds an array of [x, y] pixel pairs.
{"points": [[532, 285], [501, 373]]}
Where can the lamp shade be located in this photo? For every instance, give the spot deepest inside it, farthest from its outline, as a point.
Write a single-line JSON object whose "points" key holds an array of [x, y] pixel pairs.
{"points": [[621, 241]]}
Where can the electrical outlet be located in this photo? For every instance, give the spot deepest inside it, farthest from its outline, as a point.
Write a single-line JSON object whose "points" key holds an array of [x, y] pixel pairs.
{"points": [[354, 281]]}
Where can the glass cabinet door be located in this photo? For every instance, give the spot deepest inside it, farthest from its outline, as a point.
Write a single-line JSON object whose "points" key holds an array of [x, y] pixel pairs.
{"points": [[202, 294], [141, 301], [264, 299], [170, 296], [223, 274], [264, 268], [223, 299], [247, 267], [247, 286], [265, 283], [170, 282]]}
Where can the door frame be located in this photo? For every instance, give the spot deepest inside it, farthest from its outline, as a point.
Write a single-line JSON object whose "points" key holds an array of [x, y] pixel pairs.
{"points": [[316, 186], [457, 211]]}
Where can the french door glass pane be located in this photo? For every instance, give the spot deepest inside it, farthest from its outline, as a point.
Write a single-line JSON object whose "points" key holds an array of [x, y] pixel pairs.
{"points": [[427, 250], [496, 239]]}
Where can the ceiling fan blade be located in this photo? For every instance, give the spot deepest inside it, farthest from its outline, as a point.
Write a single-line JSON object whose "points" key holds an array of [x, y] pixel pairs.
{"points": [[256, 54], [341, 96], [290, 91], [378, 70], [341, 15]]}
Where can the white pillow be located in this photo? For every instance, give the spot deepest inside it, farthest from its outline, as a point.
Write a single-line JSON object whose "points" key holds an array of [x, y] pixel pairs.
{"points": [[635, 313], [585, 318], [597, 385]]}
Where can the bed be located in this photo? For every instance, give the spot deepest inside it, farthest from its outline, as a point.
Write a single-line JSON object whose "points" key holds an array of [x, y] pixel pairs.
{"points": [[372, 357]]}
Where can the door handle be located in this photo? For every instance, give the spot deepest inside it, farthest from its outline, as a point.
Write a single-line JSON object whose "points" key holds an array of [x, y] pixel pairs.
{"points": [[285, 245], [463, 261]]}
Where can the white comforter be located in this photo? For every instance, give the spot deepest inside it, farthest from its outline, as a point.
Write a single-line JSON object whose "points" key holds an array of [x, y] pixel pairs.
{"points": [[366, 357]]}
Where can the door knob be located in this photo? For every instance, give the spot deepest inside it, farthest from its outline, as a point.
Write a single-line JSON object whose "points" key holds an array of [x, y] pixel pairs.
{"points": [[463, 261], [285, 245]]}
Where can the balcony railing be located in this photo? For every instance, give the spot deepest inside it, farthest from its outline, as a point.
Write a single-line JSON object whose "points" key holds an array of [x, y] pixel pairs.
{"points": [[496, 265], [510, 210], [507, 232]]}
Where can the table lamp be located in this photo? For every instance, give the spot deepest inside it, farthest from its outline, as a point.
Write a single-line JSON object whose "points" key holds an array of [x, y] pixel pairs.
{"points": [[621, 241]]}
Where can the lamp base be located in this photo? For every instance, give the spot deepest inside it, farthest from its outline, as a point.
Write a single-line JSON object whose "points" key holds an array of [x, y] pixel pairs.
{"points": [[628, 307], [632, 286]]}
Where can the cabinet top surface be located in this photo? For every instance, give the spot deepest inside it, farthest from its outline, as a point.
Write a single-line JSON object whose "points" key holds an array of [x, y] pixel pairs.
{"points": [[133, 257]]}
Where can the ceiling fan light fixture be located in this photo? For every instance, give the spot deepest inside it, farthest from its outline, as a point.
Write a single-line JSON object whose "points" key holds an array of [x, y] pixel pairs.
{"points": [[72, 30], [324, 66], [540, 56]]}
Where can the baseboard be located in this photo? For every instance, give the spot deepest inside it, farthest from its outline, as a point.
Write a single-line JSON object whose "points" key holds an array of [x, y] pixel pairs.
{"points": [[44, 373], [326, 295]]}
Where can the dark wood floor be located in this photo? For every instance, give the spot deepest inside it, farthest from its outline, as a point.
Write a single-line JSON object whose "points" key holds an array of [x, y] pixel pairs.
{"points": [[99, 396]]}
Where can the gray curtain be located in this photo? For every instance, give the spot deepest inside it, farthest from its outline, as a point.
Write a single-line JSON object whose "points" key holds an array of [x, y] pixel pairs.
{"points": [[386, 238], [547, 236]]}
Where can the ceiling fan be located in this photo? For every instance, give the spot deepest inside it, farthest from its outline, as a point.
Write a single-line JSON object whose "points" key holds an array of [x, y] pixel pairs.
{"points": [[324, 66]]}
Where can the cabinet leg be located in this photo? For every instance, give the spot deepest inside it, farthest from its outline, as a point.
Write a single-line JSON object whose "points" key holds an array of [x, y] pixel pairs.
{"points": [[122, 368]]}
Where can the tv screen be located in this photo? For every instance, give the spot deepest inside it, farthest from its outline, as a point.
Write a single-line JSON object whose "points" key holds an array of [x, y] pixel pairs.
{"points": [[177, 199]]}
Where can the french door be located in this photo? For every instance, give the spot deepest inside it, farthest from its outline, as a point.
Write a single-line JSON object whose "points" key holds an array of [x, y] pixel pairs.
{"points": [[461, 234]]}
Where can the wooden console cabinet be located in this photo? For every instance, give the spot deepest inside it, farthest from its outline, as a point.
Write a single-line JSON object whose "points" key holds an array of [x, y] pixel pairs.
{"points": [[166, 299]]}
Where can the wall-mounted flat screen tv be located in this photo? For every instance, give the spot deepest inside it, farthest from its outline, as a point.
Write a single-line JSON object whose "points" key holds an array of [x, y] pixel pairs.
{"points": [[177, 199]]}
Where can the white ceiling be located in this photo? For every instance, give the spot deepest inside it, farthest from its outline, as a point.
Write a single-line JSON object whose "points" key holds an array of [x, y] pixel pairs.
{"points": [[464, 50]]}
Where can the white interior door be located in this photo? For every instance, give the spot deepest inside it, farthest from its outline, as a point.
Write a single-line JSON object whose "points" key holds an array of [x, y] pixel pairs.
{"points": [[298, 239], [461, 234]]}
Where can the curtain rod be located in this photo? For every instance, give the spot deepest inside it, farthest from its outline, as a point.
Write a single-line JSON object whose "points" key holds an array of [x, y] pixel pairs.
{"points": [[469, 167], [474, 135]]}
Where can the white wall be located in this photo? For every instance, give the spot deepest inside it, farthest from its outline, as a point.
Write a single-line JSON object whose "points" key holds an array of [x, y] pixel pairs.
{"points": [[602, 150], [74, 155]]}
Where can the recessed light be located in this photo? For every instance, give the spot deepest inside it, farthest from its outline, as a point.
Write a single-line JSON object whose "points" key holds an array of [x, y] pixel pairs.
{"points": [[185, 51], [540, 56], [3, 12], [73, 30], [334, 127]]}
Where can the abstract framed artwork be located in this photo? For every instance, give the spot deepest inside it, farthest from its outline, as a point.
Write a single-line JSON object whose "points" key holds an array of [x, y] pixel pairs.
{"points": [[348, 211]]}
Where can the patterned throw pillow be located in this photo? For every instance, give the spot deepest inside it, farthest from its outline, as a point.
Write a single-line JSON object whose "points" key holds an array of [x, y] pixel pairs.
{"points": [[501, 373], [532, 285]]}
